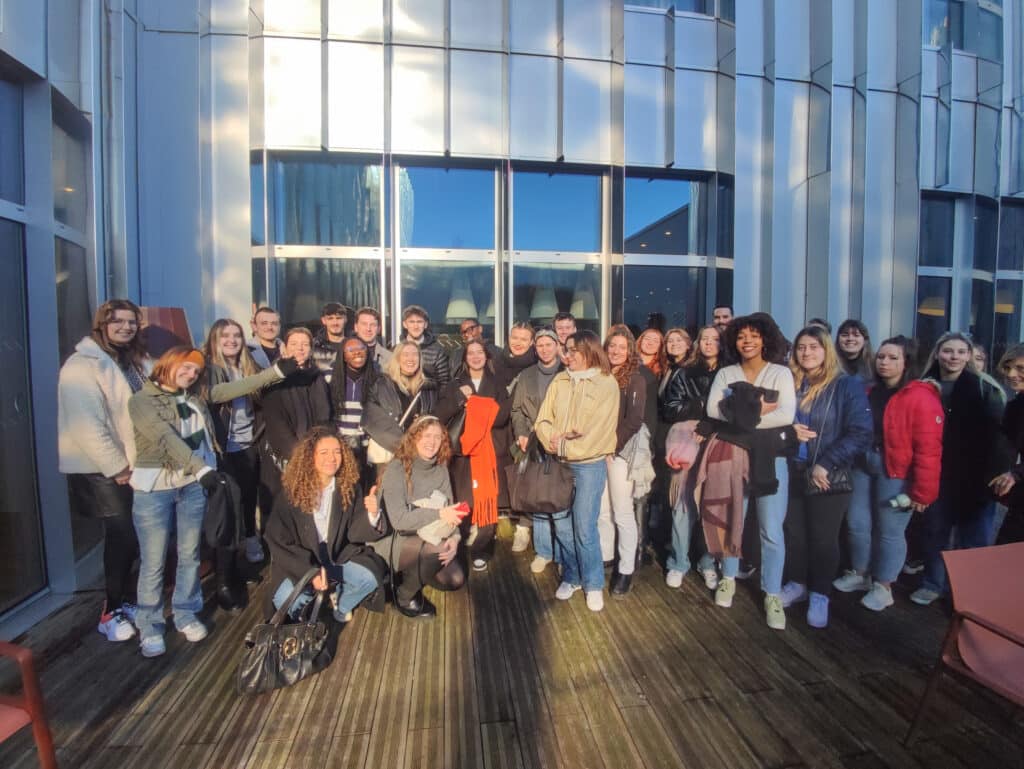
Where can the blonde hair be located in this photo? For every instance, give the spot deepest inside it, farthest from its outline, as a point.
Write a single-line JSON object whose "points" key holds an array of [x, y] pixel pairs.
{"points": [[686, 336], [949, 336], [393, 370], [246, 365], [300, 480], [829, 371]]}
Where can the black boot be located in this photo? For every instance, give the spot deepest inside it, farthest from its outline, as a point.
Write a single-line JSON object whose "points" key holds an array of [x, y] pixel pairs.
{"points": [[231, 594], [621, 584], [417, 608]]}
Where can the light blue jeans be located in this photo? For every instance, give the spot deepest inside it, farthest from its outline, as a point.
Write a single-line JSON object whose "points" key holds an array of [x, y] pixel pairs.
{"points": [[684, 518], [542, 542], [771, 514], [576, 535], [357, 583], [156, 514], [877, 531]]}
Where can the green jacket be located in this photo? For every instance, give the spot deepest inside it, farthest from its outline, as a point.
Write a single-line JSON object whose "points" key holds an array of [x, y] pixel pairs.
{"points": [[157, 444]]}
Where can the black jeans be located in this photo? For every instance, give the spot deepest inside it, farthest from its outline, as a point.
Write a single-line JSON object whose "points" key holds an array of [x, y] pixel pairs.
{"points": [[812, 537], [269, 487], [244, 467], [96, 496]]}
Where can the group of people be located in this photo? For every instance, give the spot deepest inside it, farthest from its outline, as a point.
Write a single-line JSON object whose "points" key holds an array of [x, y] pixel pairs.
{"points": [[387, 470]]}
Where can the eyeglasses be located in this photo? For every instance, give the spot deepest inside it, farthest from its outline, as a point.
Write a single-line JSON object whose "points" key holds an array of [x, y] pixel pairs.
{"points": [[469, 329]]}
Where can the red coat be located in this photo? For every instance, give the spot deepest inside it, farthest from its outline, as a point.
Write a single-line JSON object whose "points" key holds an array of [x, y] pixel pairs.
{"points": [[912, 430]]}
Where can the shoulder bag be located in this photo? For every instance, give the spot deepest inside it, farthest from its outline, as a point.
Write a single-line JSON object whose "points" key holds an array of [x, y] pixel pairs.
{"points": [[377, 454], [539, 483], [839, 480], [278, 655]]}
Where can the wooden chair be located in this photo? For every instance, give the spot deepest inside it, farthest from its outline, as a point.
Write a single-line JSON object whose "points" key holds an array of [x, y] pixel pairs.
{"points": [[18, 711], [985, 640]]}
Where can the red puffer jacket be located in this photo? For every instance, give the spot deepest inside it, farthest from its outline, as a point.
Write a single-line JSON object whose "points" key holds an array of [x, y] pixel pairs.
{"points": [[912, 429]]}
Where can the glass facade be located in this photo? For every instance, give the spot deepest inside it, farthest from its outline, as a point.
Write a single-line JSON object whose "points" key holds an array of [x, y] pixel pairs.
{"points": [[450, 292], [664, 298], [1007, 322], [666, 216], [74, 316], [304, 285], [1011, 236], [540, 290], [556, 211], [986, 232], [12, 159], [937, 222], [70, 179], [446, 207], [933, 311]]}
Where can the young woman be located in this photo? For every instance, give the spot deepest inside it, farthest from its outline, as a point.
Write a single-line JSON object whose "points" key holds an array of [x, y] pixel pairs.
{"points": [[655, 366], [651, 348], [419, 474], [617, 499], [854, 344], [176, 453], [96, 445], [833, 425], [761, 349], [577, 423], [1011, 366], [685, 398], [904, 459], [232, 378], [529, 393], [478, 463], [975, 451], [291, 408], [518, 356], [403, 390], [322, 519]]}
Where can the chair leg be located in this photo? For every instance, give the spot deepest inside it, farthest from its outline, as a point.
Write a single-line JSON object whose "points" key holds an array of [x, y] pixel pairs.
{"points": [[44, 744], [933, 682]]}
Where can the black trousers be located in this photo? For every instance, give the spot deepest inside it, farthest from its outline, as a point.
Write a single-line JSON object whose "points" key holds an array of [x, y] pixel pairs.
{"points": [[96, 496], [269, 487], [812, 537], [244, 467]]}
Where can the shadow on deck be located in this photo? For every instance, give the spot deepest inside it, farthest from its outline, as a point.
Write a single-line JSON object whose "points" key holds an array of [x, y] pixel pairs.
{"points": [[507, 676]]}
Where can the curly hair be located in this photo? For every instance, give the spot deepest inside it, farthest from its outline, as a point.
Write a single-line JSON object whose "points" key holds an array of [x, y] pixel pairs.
{"points": [[300, 481], [659, 361], [406, 452], [775, 344], [625, 371]]}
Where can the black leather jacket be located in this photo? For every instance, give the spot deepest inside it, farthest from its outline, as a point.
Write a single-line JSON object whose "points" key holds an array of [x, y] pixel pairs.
{"points": [[685, 396], [385, 405]]}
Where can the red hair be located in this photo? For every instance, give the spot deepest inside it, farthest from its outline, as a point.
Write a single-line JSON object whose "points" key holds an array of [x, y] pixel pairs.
{"points": [[166, 368], [658, 362]]}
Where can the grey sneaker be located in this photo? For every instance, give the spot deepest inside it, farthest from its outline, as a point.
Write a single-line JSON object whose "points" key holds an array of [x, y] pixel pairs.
{"points": [[565, 591], [924, 596], [851, 581], [153, 646], [194, 631], [879, 597], [539, 564], [817, 610], [792, 592], [674, 578], [725, 592], [710, 578], [774, 614], [521, 540]]}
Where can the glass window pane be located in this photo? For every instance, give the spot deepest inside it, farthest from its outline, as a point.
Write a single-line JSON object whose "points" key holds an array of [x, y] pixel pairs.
{"points": [[556, 212], [321, 199], [21, 549], [664, 297], [982, 298], [937, 216], [645, 110], [259, 282], [450, 292], [534, 26], [935, 22], [298, 17], [588, 28], [258, 230], [70, 174], [12, 143], [477, 109], [726, 10], [990, 31], [477, 24], [666, 216], [725, 213], [418, 21], [349, 96], [303, 286], [1006, 329], [586, 113], [291, 86], [355, 19], [1011, 236], [417, 99], [74, 316], [723, 287], [446, 207], [533, 112], [541, 290], [986, 228], [932, 312]]}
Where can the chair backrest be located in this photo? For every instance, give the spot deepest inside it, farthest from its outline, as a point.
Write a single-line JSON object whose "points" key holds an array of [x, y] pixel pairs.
{"points": [[989, 582]]}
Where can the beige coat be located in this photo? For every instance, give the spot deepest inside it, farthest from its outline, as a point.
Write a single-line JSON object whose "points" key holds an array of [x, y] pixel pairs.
{"points": [[587, 404]]}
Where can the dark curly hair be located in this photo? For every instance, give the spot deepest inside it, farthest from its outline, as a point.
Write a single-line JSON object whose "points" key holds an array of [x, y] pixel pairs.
{"points": [[300, 481], [776, 346]]}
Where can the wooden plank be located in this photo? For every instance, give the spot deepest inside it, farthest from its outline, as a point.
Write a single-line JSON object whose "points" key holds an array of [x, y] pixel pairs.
{"points": [[462, 745], [239, 734], [807, 730], [597, 629], [355, 716], [501, 746], [348, 751], [428, 672], [389, 732], [425, 749], [269, 754], [491, 677], [651, 739]]}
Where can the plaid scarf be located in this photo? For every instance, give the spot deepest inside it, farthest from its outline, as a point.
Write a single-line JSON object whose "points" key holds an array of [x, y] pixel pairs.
{"points": [[191, 426]]}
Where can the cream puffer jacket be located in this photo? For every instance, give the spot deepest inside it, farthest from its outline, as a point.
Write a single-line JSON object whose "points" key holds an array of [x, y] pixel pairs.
{"points": [[585, 402], [95, 433]]}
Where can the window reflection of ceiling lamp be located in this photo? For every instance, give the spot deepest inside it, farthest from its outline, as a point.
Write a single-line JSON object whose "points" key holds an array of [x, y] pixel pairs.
{"points": [[933, 306], [544, 304], [460, 303], [584, 306]]}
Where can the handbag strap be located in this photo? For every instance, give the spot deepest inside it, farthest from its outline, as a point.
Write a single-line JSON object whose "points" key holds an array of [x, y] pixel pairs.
{"points": [[408, 411], [283, 610], [828, 405]]}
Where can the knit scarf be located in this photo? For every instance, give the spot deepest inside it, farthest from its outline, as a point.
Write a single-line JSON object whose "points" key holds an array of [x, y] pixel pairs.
{"points": [[481, 412]]}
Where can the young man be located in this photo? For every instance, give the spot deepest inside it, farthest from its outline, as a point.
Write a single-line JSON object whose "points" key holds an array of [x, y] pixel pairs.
{"points": [[434, 358], [471, 331], [266, 344], [367, 328], [329, 339], [565, 326], [721, 317]]}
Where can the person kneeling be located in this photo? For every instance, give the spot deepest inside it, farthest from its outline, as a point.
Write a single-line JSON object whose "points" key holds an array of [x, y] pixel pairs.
{"points": [[320, 519]]}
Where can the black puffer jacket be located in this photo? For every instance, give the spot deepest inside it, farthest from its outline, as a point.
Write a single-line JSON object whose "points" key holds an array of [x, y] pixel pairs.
{"points": [[385, 405], [685, 396], [325, 352], [433, 360]]}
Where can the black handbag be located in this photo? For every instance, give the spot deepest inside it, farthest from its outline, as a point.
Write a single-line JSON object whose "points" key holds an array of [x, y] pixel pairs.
{"points": [[539, 483], [839, 480], [279, 655], [455, 426]]}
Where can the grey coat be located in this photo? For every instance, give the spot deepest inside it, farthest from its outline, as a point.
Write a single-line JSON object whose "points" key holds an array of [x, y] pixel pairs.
{"points": [[397, 497], [530, 390]]}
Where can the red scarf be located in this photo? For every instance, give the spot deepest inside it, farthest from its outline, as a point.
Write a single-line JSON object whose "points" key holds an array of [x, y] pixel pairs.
{"points": [[481, 412]]}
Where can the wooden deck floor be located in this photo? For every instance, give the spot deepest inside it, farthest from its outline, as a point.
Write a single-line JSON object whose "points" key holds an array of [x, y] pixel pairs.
{"points": [[506, 676]]}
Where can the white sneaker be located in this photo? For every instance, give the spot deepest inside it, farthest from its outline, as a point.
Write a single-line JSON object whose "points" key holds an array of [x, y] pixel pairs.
{"points": [[130, 610], [792, 592], [194, 631], [710, 578], [153, 646], [116, 626], [879, 597], [479, 564], [923, 596], [851, 581], [595, 600], [674, 578], [565, 591], [521, 540], [773, 612], [539, 564], [724, 592], [253, 549]]}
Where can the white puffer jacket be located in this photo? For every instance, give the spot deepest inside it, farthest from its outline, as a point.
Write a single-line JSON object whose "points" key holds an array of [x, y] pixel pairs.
{"points": [[94, 430]]}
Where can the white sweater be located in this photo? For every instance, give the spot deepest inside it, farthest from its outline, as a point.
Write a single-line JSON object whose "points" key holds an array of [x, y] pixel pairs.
{"points": [[771, 377]]}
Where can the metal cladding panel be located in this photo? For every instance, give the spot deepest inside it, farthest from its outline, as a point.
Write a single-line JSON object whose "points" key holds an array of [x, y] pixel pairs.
{"points": [[23, 34], [417, 100], [63, 46], [164, 16], [292, 92], [646, 37], [844, 28], [754, 37], [793, 40], [882, 39], [586, 124], [257, 135], [355, 105], [962, 146], [929, 109], [355, 20], [725, 128], [906, 226], [845, 202], [696, 108], [646, 115], [696, 42], [477, 104], [418, 21], [477, 24], [228, 17], [965, 77], [533, 27], [292, 17], [588, 28], [879, 207], [533, 107], [986, 151]]}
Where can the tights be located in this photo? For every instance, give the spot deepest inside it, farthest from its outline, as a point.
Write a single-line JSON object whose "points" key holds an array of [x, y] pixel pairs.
{"points": [[120, 549], [419, 565]]}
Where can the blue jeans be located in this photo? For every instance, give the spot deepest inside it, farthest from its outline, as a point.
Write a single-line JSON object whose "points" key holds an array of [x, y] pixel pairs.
{"points": [[771, 514], [939, 520], [877, 531], [684, 518], [155, 514], [576, 535], [357, 583], [542, 542]]}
